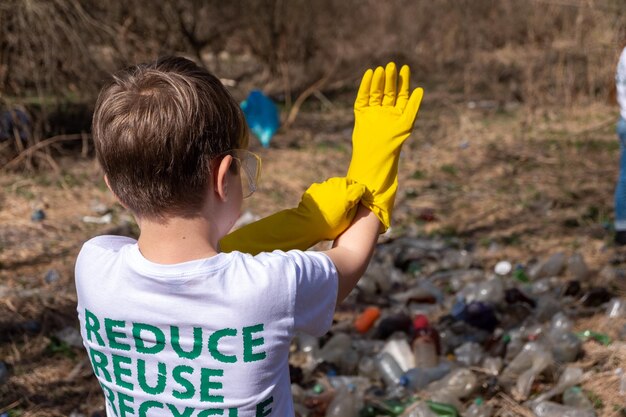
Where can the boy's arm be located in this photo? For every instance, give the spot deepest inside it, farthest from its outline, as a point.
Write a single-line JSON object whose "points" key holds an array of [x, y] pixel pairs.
{"points": [[353, 249], [324, 212]]}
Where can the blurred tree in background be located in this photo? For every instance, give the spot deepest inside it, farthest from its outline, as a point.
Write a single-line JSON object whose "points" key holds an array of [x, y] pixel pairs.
{"points": [[534, 52]]}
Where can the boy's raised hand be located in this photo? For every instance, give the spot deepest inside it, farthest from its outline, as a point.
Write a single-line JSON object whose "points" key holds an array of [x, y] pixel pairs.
{"points": [[384, 116], [324, 212]]}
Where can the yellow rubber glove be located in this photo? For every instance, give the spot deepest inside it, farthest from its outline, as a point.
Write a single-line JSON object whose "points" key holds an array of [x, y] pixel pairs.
{"points": [[324, 212], [384, 116]]}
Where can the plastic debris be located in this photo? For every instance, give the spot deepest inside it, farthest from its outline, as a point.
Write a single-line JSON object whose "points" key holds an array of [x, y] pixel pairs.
{"points": [[52, 276], [262, 116], [38, 215], [598, 337], [104, 219], [503, 268], [71, 336], [366, 319]]}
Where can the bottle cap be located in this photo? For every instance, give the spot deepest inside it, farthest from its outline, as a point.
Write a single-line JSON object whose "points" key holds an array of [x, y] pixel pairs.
{"points": [[420, 322]]}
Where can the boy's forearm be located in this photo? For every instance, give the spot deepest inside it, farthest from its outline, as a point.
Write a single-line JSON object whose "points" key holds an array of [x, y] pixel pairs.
{"points": [[353, 249], [325, 211]]}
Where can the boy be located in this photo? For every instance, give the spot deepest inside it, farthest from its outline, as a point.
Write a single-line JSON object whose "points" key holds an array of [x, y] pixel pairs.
{"points": [[172, 325]]}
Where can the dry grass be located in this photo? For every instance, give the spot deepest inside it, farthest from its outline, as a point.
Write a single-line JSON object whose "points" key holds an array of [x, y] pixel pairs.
{"points": [[529, 183]]}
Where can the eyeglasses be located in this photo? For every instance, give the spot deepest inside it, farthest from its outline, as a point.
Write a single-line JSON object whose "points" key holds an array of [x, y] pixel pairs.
{"points": [[249, 169]]}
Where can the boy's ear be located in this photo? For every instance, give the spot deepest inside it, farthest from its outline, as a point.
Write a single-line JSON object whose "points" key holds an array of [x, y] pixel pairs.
{"points": [[106, 181], [221, 181]]}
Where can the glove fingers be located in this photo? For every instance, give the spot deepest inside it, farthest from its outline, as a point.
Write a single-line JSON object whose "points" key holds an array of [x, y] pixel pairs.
{"points": [[376, 89], [414, 104], [363, 96], [403, 88], [391, 75]]}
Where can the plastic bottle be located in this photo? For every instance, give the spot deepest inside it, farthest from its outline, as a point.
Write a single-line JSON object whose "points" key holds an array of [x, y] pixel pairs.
{"points": [[571, 376], [420, 409], [388, 369], [577, 267], [469, 353], [596, 296], [480, 315], [335, 348], [459, 383], [391, 324], [346, 403], [547, 307], [616, 308], [522, 362], [514, 295], [541, 359], [417, 379], [367, 367], [425, 351], [443, 409], [308, 344], [401, 352], [492, 366], [338, 351], [575, 397], [566, 345], [551, 409], [560, 323], [479, 409], [549, 267], [491, 291], [366, 319]]}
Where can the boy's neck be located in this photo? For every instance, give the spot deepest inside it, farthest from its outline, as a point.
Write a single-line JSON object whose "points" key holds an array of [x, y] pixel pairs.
{"points": [[178, 240]]}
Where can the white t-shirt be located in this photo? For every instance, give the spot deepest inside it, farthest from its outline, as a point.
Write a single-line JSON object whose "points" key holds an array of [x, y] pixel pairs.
{"points": [[199, 338], [620, 83]]}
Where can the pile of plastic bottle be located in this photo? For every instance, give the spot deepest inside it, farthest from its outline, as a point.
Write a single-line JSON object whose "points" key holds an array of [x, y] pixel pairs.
{"points": [[437, 336]]}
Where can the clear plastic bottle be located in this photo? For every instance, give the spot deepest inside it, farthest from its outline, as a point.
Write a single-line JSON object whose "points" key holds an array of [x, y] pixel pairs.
{"points": [[346, 403], [388, 369], [577, 267], [571, 376], [492, 365], [420, 409], [549, 267], [401, 351], [459, 383], [479, 409], [541, 359], [367, 367], [425, 351], [575, 397], [335, 348], [566, 347], [469, 353], [551, 409], [417, 379], [616, 308], [491, 291]]}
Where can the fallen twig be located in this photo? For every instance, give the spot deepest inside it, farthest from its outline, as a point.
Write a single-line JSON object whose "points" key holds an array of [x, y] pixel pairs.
{"points": [[38, 146]]}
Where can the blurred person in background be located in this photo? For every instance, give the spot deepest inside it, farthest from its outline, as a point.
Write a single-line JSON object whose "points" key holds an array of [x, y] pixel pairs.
{"points": [[620, 189]]}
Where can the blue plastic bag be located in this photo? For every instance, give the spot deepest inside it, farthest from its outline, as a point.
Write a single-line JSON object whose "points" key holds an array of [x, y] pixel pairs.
{"points": [[262, 116]]}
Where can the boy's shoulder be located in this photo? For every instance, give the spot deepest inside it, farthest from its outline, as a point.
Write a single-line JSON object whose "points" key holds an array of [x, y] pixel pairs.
{"points": [[294, 256], [108, 242]]}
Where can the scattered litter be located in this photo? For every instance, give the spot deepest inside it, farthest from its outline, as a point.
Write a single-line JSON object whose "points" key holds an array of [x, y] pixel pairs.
{"points": [[105, 219], [262, 116], [433, 335], [38, 215], [52, 276]]}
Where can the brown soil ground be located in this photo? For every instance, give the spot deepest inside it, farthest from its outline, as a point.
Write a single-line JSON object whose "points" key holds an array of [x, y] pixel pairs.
{"points": [[517, 184]]}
